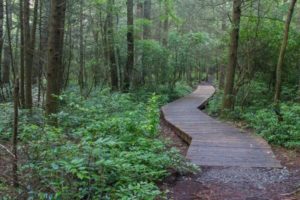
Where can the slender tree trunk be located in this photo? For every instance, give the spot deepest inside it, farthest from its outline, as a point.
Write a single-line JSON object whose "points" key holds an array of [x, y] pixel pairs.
{"points": [[224, 29], [15, 135], [111, 46], [139, 15], [146, 35], [282, 53], [29, 49], [28, 67], [62, 13], [158, 34], [147, 16], [22, 63], [221, 76], [228, 99], [8, 27], [40, 65], [5, 66], [138, 57], [54, 54], [44, 16], [166, 26], [1, 38], [33, 32], [130, 46], [81, 51], [70, 54]]}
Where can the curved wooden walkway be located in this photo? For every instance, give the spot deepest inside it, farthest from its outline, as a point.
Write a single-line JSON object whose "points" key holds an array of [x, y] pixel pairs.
{"points": [[215, 143]]}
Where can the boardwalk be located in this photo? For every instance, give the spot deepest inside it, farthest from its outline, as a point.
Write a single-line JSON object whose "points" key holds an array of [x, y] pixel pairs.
{"points": [[215, 143]]}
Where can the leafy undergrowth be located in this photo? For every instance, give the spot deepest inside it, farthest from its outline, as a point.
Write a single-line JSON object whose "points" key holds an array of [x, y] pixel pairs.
{"points": [[258, 113], [285, 133], [106, 147]]}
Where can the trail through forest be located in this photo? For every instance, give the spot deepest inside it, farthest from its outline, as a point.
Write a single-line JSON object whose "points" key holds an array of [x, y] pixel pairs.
{"points": [[82, 83], [236, 167], [212, 142], [235, 183]]}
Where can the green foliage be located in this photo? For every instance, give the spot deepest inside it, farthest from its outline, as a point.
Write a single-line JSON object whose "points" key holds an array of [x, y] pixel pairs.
{"points": [[167, 93], [215, 104], [154, 60], [285, 132], [253, 107], [106, 147], [181, 89]]}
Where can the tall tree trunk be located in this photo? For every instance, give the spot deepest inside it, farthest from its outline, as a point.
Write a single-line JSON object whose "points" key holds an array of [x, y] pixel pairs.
{"points": [[139, 15], [62, 11], [146, 35], [138, 57], [81, 51], [29, 49], [15, 135], [282, 53], [40, 54], [70, 54], [130, 46], [228, 99], [147, 16], [54, 54], [166, 26], [111, 46], [224, 29], [6, 64], [22, 63], [8, 28], [1, 37], [44, 16], [28, 67]]}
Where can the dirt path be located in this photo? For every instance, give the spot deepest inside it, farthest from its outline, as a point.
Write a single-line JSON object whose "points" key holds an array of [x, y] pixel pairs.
{"points": [[236, 183]]}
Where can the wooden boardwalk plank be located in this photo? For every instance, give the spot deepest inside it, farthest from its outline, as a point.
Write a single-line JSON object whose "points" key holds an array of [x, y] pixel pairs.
{"points": [[215, 143]]}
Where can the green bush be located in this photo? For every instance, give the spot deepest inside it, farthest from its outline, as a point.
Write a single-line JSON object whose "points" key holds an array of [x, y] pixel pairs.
{"points": [[285, 132], [253, 107], [107, 147]]}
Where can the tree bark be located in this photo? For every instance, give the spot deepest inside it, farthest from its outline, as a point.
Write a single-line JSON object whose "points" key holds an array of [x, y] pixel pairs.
{"points": [[22, 63], [130, 47], [282, 53], [166, 26], [139, 15], [6, 63], [29, 49], [62, 13], [228, 99], [54, 54], [1, 38], [147, 16], [15, 135], [146, 36], [28, 67], [81, 52], [8, 28], [111, 47], [222, 67]]}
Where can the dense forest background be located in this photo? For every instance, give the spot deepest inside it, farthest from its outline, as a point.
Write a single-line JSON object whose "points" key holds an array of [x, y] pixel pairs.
{"points": [[81, 83]]}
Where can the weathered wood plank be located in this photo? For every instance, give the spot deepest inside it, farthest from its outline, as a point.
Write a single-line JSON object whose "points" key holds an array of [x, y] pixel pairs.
{"points": [[215, 143]]}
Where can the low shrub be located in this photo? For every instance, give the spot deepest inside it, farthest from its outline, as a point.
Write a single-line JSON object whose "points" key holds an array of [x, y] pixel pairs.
{"points": [[106, 147]]}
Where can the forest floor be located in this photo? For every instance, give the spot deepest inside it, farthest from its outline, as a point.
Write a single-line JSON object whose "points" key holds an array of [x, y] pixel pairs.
{"points": [[235, 183]]}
